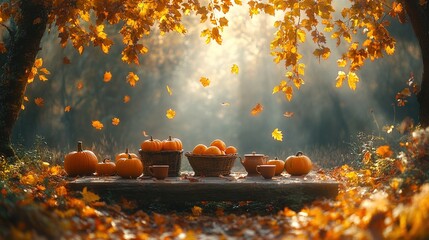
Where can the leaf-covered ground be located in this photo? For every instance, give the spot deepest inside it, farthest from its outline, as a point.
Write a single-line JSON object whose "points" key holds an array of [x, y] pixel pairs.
{"points": [[386, 197]]}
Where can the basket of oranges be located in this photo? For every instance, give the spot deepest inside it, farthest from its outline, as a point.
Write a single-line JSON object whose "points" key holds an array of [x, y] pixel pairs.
{"points": [[212, 161], [166, 152]]}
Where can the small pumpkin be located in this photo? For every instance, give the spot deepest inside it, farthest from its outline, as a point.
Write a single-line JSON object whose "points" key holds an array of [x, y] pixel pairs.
{"points": [[151, 145], [298, 164], [219, 144], [199, 149], [279, 165], [230, 150], [212, 150], [80, 162], [106, 168], [125, 155], [130, 167], [172, 144]]}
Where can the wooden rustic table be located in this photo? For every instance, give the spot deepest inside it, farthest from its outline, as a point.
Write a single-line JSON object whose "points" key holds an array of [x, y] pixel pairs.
{"points": [[291, 191]]}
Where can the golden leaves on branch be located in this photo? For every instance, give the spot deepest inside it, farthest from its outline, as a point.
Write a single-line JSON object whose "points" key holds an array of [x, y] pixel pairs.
{"points": [[37, 69], [351, 77]]}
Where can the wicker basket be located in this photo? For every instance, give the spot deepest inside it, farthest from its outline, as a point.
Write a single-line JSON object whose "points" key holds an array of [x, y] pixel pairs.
{"points": [[211, 166], [171, 158]]}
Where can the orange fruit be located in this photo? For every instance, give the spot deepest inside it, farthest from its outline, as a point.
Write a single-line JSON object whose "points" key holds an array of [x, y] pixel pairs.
{"points": [[199, 149], [279, 165], [230, 150], [219, 144], [212, 150]]}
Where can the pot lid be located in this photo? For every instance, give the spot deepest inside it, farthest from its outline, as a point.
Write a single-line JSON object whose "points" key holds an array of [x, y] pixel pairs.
{"points": [[254, 154]]}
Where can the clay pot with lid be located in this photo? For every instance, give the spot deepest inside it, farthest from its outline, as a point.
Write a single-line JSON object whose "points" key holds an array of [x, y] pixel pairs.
{"points": [[252, 160]]}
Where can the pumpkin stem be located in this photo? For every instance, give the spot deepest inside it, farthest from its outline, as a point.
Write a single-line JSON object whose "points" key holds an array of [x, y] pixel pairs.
{"points": [[169, 138], [129, 156], [106, 160], [276, 158], [151, 138], [299, 153], [126, 150], [79, 146]]}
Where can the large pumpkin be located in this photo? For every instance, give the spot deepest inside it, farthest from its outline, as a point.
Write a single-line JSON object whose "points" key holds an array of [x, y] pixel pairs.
{"points": [[280, 165], [172, 144], [298, 165], [125, 155], [80, 162], [106, 168], [151, 145], [199, 149], [130, 167]]}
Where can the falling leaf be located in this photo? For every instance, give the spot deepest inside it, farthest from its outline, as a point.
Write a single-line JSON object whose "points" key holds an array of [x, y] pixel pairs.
{"points": [[66, 60], [384, 151], [170, 114], [277, 134], [257, 109], [39, 101], [132, 79], [67, 108], [43, 78], [144, 133], [288, 114], [127, 98], [88, 196], [225, 104], [235, 69], [197, 211], [97, 125], [115, 121], [204, 81], [169, 90], [79, 85], [38, 63], [107, 76]]}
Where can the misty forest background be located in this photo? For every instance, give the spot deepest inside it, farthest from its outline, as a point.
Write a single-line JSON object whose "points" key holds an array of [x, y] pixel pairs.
{"points": [[325, 117]]}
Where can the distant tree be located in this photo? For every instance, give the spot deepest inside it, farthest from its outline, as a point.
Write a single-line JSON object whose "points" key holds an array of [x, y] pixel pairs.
{"points": [[362, 26]]}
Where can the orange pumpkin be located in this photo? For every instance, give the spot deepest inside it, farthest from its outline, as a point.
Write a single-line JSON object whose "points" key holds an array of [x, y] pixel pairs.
{"points": [[219, 144], [199, 149], [125, 155], [230, 150], [129, 167], [212, 150], [172, 144], [106, 168], [151, 145], [80, 162], [298, 165], [279, 165]]}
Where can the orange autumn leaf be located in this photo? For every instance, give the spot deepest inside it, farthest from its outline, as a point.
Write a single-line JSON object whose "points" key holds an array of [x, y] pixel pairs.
{"points": [[43, 78], [257, 109], [67, 108], [132, 79], [205, 81], [169, 90], [107, 76], [288, 114], [97, 125], [170, 114], [39, 101], [45, 71], [115, 121], [38, 63], [197, 211], [61, 191], [79, 85], [384, 151], [66, 60], [126, 99], [366, 157], [88, 196]]}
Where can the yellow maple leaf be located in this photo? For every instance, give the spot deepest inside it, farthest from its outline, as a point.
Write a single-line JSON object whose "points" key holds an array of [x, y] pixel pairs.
{"points": [[340, 78], [38, 63], [97, 125], [301, 69], [132, 78], [276, 89], [257, 109], [169, 90], [88, 196], [341, 62], [205, 81], [127, 98], [115, 121], [39, 101], [301, 35], [353, 79], [235, 69], [67, 108], [107, 76], [390, 49], [277, 134], [170, 114]]}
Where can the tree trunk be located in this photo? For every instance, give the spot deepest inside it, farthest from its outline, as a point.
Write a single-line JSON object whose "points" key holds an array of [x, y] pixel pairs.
{"points": [[419, 18], [22, 47]]}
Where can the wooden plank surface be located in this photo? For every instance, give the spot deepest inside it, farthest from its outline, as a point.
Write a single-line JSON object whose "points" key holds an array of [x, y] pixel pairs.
{"points": [[237, 187]]}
